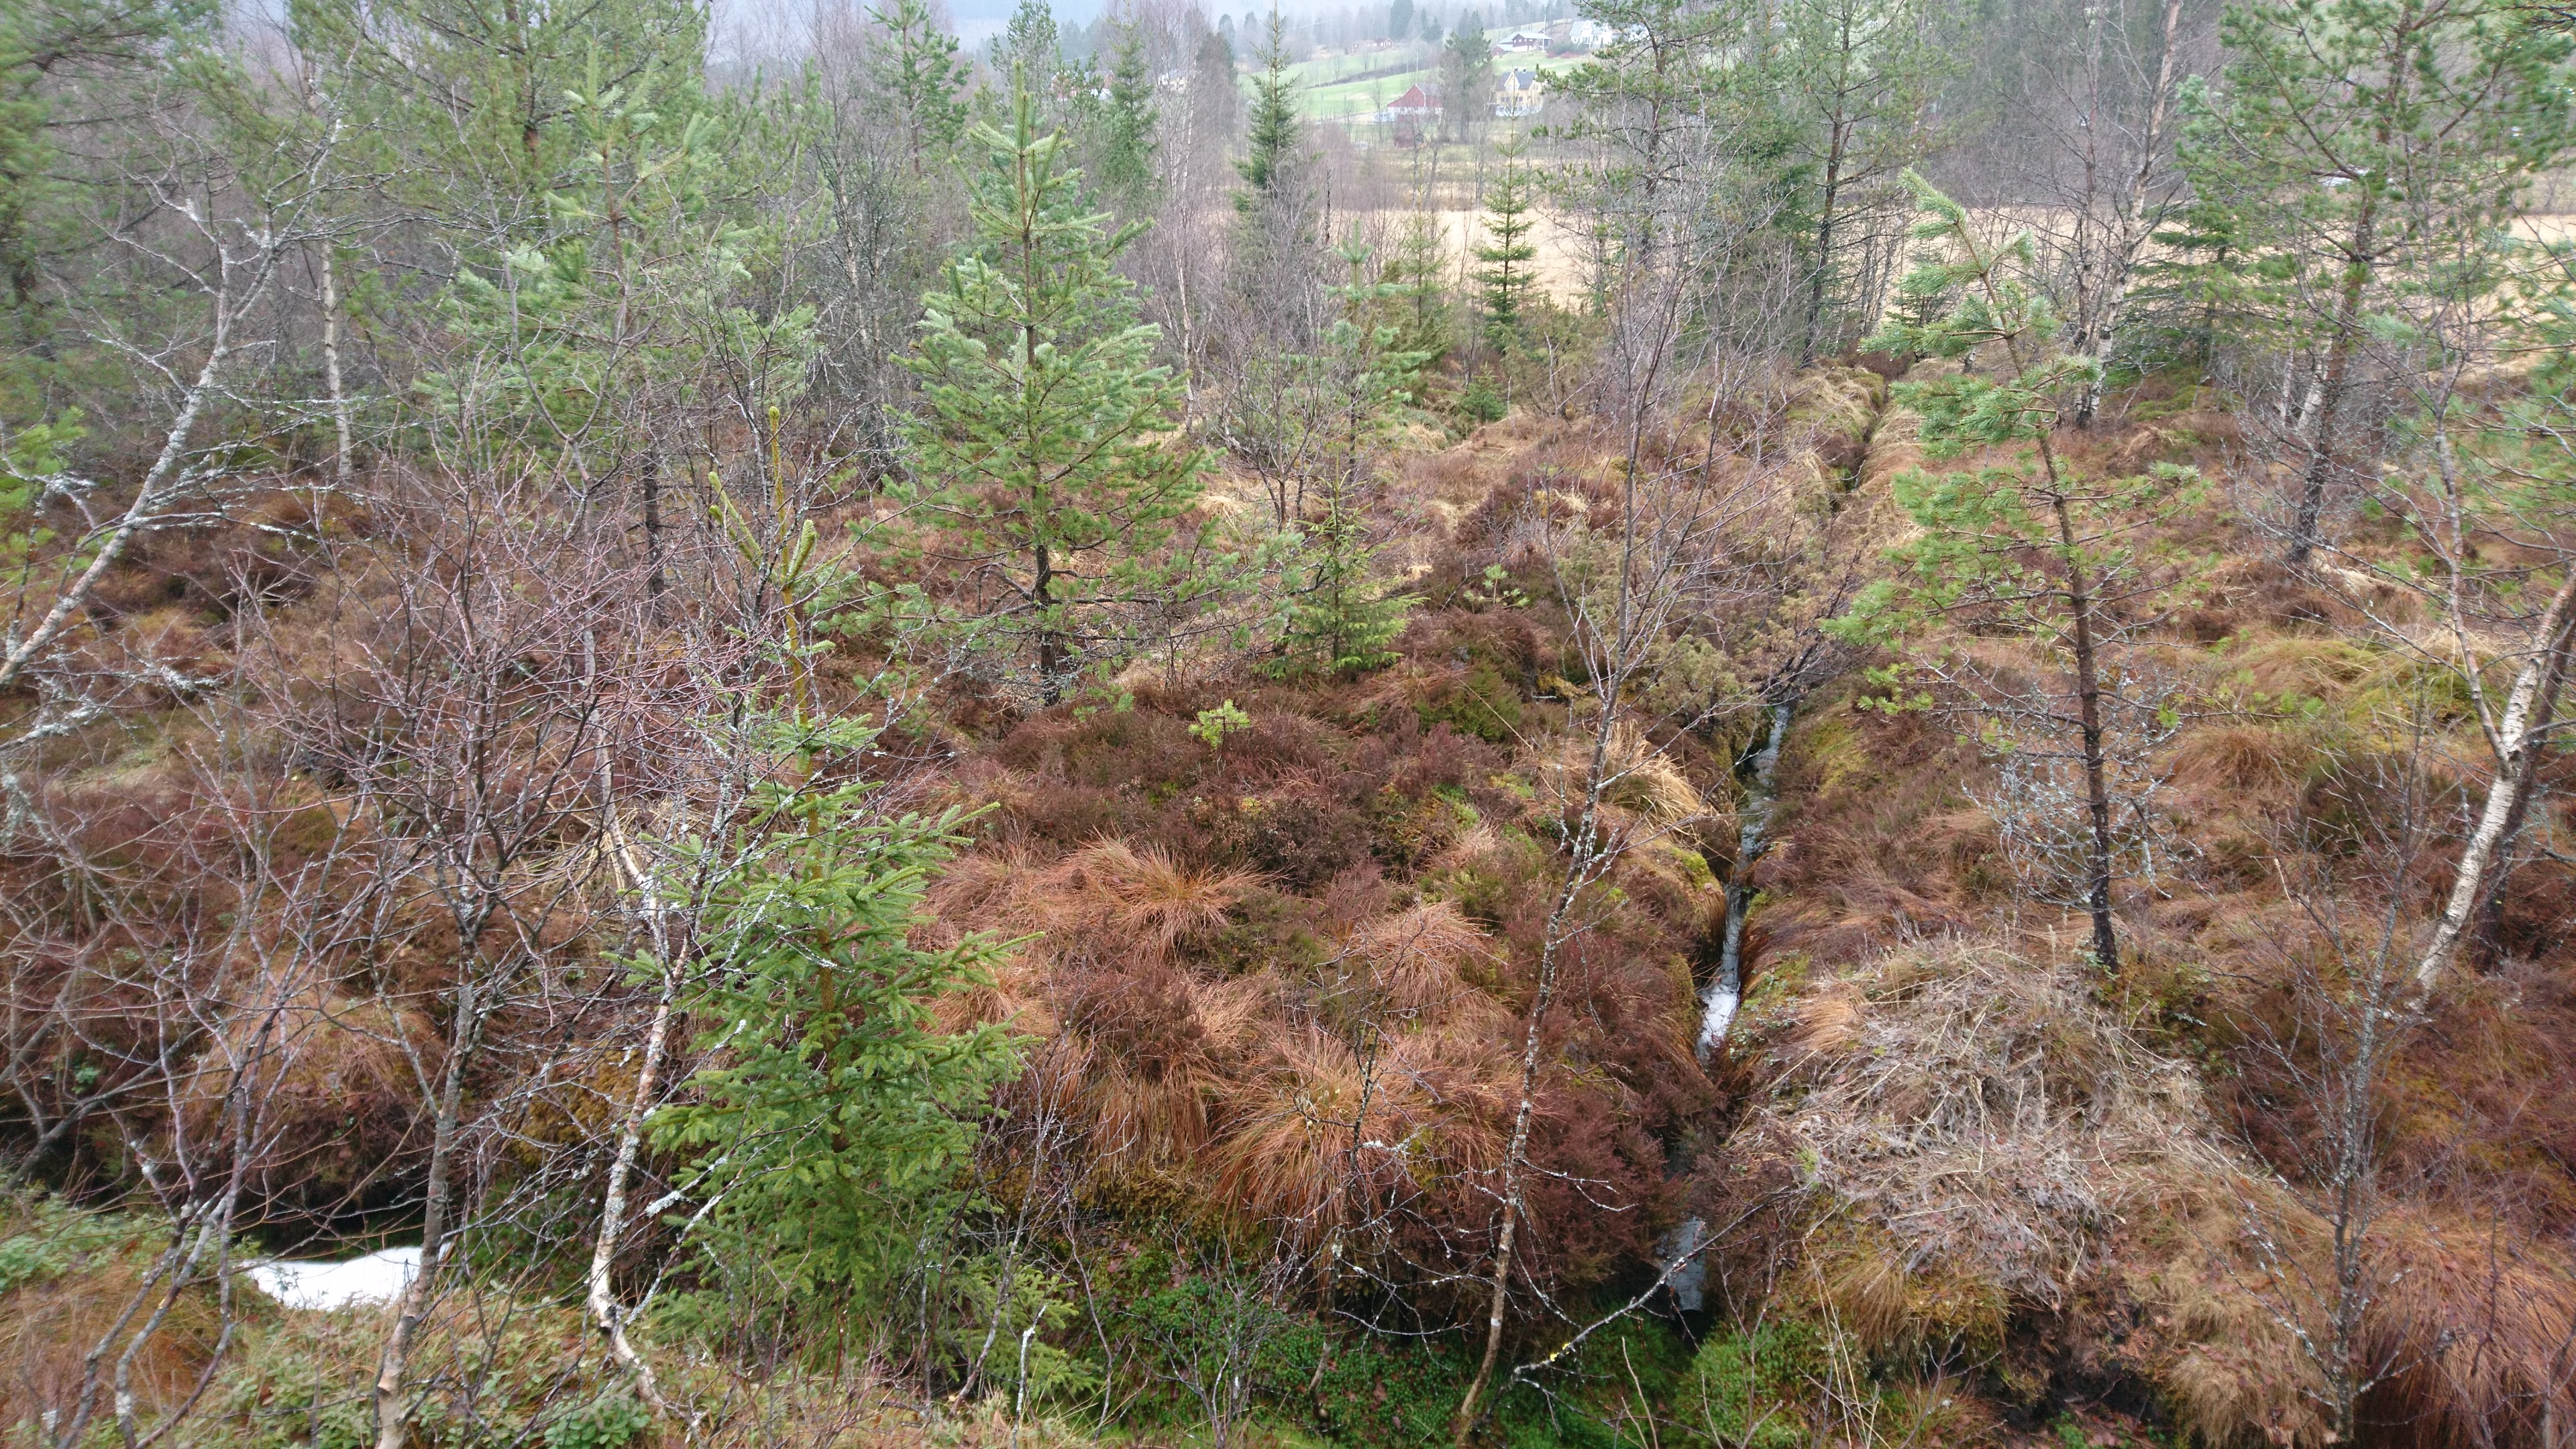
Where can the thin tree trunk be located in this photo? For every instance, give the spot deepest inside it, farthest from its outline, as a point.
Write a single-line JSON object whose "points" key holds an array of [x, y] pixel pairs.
{"points": [[211, 1230], [1050, 641], [2088, 700], [2326, 400], [654, 584], [1590, 857], [2517, 750], [606, 1313], [1515, 1157], [2088, 679], [2488, 941], [2133, 219], [393, 1415], [1824, 251], [340, 460], [2335, 376]]}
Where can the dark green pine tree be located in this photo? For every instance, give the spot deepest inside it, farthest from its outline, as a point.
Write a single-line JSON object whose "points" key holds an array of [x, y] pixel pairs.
{"points": [[40, 41], [1270, 163], [1505, 259], [1127, 123], [1048, 446], [2353, 140]]}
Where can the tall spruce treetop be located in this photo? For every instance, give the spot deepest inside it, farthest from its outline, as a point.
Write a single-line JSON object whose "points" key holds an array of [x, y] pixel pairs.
{"points": [[1127, 140], [1504, 259], [1467, 74], [1644, 95], [1270, 165], [1048, 440]]}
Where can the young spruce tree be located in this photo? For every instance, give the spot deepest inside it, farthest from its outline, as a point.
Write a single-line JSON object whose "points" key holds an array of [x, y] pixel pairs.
{"points": [[1345, 615], [1127, 123], [1276, 139], [1047, 441], [831, 1109], [2024, 536], [1504, 260]]}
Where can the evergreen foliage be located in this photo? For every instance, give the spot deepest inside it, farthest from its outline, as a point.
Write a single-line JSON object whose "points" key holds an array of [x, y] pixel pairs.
{"points": [[627, 301], [2344, 139], [1027, 54], [1857, 79], [831, 1108], [1505, 260], [472, 104], [1344, 615], [1466, 77], [923, 77], [41, 40], [1349, 1018], [1044, 443], [1415, 294], [1275, 139], [2050, 551], [1128, 136]]}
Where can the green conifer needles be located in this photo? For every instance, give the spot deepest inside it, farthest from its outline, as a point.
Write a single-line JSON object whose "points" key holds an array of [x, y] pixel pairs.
{"points": [[2023, 537], [832, 1108], [1047, 448]]}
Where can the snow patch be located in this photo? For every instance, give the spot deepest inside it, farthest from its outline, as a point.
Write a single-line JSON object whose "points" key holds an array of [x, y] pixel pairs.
{"points": [[322, 1287]]}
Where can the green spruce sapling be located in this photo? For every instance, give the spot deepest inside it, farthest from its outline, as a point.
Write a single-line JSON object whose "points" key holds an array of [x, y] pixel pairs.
{"points": [[1047, 446], [1506, 258], [830, 1109], [1344, 615]]}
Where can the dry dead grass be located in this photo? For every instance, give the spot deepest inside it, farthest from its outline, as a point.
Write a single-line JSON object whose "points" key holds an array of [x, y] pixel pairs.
{"points": [[1980, 1136], [1988, 1147], [1644, 781], [48, 1325], [1985, 1111], [1166, 1063], [1991, 1153]]}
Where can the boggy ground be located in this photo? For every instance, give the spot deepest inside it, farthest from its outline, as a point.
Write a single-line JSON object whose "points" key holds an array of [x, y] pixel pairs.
{"points": [[1966, 1190]]}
